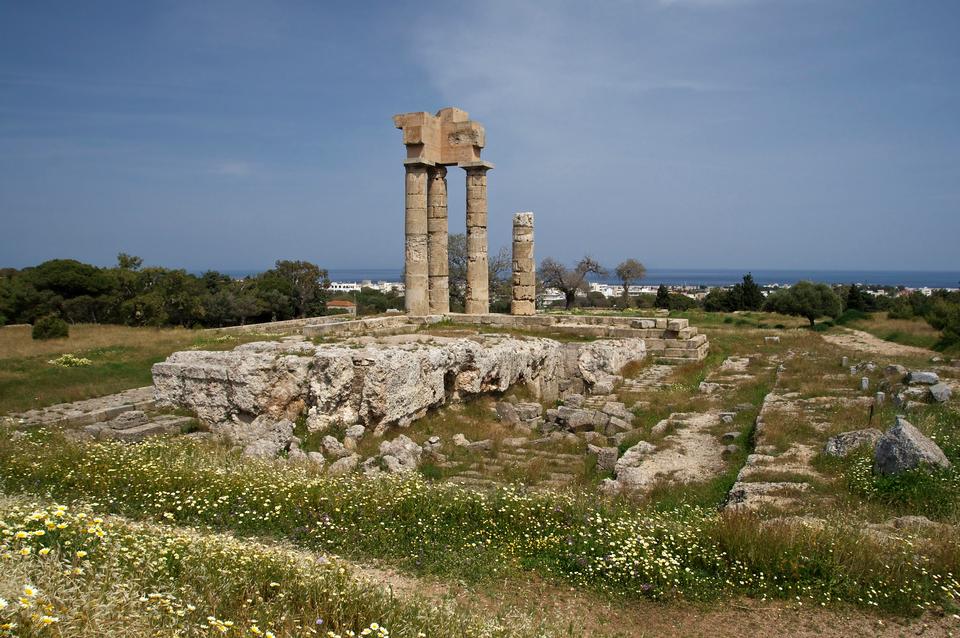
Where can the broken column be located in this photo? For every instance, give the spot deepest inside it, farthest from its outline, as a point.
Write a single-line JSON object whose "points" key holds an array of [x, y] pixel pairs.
{"points": [[437, 240], [478, 287], [524, 269], [416, 277]]}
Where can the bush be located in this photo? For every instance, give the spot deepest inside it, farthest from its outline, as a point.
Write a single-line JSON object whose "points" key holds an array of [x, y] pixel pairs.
{"points": [[51, 328], [805, 299]]}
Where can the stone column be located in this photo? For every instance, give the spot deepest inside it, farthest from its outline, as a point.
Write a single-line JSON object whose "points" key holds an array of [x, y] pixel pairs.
{"points": [[478, 286], [437, 240], [415, 249], [524, 271]]}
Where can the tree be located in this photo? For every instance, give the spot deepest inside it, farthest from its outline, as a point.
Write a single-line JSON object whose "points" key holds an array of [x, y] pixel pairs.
{"points": [[663, 297], [751, 297], [129, 262], [568, 281], [628, 272], [805, 299], [303, 283], [856, 299]]}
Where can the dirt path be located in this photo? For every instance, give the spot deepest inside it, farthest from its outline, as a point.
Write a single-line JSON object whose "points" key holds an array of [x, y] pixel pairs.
{"points": [[866, 342]]}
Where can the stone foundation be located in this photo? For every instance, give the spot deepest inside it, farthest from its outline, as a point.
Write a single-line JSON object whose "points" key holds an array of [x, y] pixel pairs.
{"points": [[391, 382]]}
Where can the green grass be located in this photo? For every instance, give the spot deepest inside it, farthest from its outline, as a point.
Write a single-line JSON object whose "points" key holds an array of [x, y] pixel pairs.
{"points": [[116, 577], [687, 552], [121, 358]]}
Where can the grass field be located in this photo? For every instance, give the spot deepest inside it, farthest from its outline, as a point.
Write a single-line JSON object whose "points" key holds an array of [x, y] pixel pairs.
{"points": [[207, 542], [120, 359]]}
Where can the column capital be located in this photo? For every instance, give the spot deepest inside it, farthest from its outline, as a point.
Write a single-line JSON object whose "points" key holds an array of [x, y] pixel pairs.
{"points": [[437, 171], [478, 165], [416, 161]]}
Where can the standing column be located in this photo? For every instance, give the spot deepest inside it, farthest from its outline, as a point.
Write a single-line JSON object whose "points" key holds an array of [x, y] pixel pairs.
{"points": [[524, 272], [415, 248], [437, 240], [478, 286]]}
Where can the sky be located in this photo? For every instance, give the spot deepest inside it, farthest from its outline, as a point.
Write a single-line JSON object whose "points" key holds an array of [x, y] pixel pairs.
{"points": [[227, 134]]}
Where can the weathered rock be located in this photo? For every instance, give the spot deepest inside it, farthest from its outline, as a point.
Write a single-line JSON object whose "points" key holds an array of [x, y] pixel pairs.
{"points": [[316, 458], [272, 438], [528, 411], [356, 432], [253, 379], [730, 449], [922, 377], [617, 425], [344, 466], [507, 413], [605, 384], [896, 370], [573, 400], [618, 410], [380, 385], [660, 427], [903, 447], [460, 440], [401, 454], [129, 419], [626, 467], [334, 447], [432, 444], [480, 446], [730, 436], [707, 387], [844, 443], [606, 457], [940, 392]]}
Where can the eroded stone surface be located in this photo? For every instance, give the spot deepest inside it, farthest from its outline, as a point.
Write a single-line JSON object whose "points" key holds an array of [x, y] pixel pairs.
{"points": [[379, 385]]}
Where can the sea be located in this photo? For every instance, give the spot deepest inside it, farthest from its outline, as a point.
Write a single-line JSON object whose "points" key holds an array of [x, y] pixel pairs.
{"points": [[709, 277]]}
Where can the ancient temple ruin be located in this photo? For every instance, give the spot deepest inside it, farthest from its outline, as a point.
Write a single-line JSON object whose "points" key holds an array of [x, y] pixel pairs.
{"points": [[449, 138]]}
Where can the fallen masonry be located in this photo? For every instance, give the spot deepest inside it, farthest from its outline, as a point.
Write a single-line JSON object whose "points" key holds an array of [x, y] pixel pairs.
{"points": [[390, 382]]}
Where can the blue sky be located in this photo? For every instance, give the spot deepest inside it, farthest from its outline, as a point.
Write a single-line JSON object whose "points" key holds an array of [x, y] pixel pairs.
{"points": [[686, 133]]}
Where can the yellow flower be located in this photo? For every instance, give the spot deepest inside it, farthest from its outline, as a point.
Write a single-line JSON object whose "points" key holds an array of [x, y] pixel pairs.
{"points": [[25, 551], [48, 620], [30, 590], [81, 554], [44, 551]]}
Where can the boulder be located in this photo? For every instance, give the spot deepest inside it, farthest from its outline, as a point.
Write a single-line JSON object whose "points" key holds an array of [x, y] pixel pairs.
{"points": [[507, 413], [401, 454], [618, 410], [433, 444], [356, 432], [344, 466], [922, 377], [460, 440], [940, 392], [606, 457], [573, 400], [529, 411], [895, 370], [844, 443], [266, 438], [632, 459], [903, 447], [605, 384], [334, 447]]}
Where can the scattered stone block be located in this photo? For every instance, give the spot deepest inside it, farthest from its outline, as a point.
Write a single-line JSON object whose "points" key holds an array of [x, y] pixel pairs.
{"points": [[344, 465], [844, 443], [922, 377], [940, 392], [895, 369], [864, 383], [771, 339], [879, 398], [903, 447], [730, 436]]}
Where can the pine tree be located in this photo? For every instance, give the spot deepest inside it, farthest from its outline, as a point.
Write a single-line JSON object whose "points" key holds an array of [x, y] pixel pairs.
{"points": [[663, 298]]}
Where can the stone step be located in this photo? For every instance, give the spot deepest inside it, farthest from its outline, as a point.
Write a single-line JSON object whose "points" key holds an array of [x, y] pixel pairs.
{"points": [[550, 455], [170, 425]]}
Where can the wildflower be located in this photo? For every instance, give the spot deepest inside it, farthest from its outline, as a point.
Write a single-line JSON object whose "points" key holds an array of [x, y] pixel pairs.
{"points": [[48, 620]]}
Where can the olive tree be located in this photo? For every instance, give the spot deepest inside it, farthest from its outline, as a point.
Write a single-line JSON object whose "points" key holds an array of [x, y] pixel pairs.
{"points": [[805, 299], [628, 272], [569, 281]]}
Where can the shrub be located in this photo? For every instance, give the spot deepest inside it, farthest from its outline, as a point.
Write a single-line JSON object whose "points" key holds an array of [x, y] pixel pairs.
{"points": [[51, 327], [805, 299]]}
